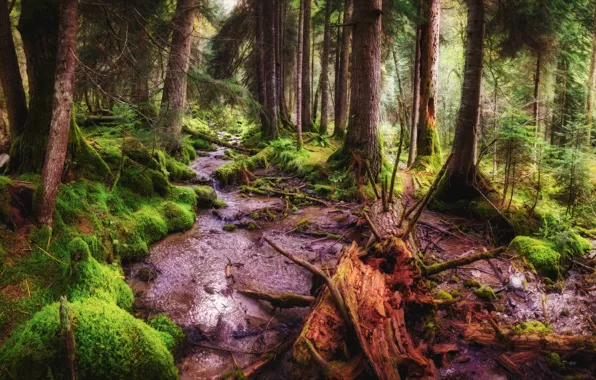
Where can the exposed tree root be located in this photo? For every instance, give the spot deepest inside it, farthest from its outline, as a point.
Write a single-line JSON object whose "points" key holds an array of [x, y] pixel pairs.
{"points": [[281, 300]]}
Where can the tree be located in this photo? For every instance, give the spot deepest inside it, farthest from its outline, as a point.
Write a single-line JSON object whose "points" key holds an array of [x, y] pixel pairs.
{"points": [[61, 112], [299, 77], [591, 82], [306, 72], [260, 55], [271, 83], [362, 140], [341, 104], [461, 173], [415, 100], [10, 76], [174, 91], [325, 71], [428, 146]]}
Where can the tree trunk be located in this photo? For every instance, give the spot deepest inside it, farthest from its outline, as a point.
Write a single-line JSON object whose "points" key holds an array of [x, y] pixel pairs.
{"points": [[174, 91], [260, 53], [325, 71], [341, 104], [10, 76], [462, 169], [269, 32], [415, 101], [428, 139], [362, 138], [536, 106], [306, 85], [591, 82], [38, 26], [62, 108], [299, 142]]}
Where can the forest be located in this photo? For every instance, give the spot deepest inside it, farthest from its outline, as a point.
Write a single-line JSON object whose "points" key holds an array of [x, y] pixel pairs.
{"points": [[299, 189]]}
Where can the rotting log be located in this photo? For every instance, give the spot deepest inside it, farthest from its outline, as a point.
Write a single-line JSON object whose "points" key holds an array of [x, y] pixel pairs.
{"points": [[215, 141], [281, 300], [461, 261]]}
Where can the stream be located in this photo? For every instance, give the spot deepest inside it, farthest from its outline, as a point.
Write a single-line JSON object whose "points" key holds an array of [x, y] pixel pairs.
{"points": [[199, 272]]}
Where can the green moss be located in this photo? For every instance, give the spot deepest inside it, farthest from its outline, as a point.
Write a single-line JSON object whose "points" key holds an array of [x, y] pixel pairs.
{"points": [[233, 172], [229, 227], [219, 203], [83, 159], [110, 344], [485, 293], [178, 218], [78, 249], [539, 253], [206, 196], [151, 225], [92, 279], [471, 284], [173, 335], [5, 200], [443, 295], [454, 293], [140, 154], [178, 171], [554, 362], [531, 327]]}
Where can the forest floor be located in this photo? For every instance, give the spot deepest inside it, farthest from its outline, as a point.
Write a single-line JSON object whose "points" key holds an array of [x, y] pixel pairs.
{"points": [[201, 273]]}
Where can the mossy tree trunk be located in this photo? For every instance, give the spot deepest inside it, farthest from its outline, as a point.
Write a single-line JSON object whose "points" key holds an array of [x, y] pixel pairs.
{"points": [[175, 85], [591, 83], [306, 72], [428, 146], [415, 100], [341, 104], [260, 54], [62, 108], [270, 41], [362, 140], [325, 71], [10, 76], [38, 26]]}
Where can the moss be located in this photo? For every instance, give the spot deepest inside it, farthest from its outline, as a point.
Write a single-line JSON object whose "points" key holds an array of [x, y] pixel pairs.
{"points": [[531, 327], [219, 203], [539, 253], [96, 247], [92, 279], [233, 172], [206, 196], [251, 226], [454, 293], [83, 159], [184, 195], [150, 224], [485, 293], [443, 295], [471, 284], [5, 200], [554, 362], [78, 249], [229, 227], [173, 335], [177, 217], [110, 343], [178, 171], [140, 154]]}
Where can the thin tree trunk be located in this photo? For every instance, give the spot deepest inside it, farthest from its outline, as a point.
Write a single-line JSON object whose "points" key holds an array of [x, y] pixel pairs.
{"points": [[325, 71], [428, 139], [260, 53], [336, 67], [462, 170], [306, 74], [362, 138], [591, 83], [10, 76], [536, 106], [61, 114], [174, 92], [415, 101], [269, 13], [341, 104], [299, 142]]}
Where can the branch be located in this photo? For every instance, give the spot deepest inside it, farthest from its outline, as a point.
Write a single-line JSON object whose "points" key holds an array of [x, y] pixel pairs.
{"points": [[216, 141], [461, 261], [281, 300]]}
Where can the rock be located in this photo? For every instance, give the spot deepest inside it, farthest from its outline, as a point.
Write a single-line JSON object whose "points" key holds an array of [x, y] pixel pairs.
{"points": [[517, 281]]}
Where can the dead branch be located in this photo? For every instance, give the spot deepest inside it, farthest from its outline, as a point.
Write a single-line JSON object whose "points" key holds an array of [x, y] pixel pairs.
{"points": [[281, 300], [460, 261], [372, 226], [295, 195]]}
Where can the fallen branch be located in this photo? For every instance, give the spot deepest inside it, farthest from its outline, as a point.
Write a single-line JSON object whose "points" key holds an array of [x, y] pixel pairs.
{"points": [[372, 226], [295, 195], [215, 141], [266, 358], [460, 261], [281, 300]]}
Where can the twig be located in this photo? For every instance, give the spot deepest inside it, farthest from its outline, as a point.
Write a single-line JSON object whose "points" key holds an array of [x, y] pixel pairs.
{"points": [[47, 253], [372, 226], [372, 181]]}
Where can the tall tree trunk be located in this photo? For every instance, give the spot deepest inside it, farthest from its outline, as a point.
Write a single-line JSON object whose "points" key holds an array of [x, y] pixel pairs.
{"points": [[175, 84], [341, 104], [38, 26], [299, 142], [306, 83], [325, 71], [269, 31], [362, 138], [536, 106], [260, 53], [62, 108], [428, 145], [10, 76], [462, 168], [591, 83], [415, 100]]}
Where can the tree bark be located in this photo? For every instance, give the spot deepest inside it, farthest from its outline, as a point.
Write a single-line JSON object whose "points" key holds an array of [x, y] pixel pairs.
{"points": [[341, 104], [591, 83], [62, 108], [299, 58], [415, 101], [175, 85], [362, 139], [10, 76], [462, 170], [269, 32], [428, 139], [260, 53], [306, 82], [325, 71]]}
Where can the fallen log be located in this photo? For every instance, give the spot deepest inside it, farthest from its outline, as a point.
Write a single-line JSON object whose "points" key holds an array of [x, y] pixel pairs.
{"points": [[251, 370], [281, 300], [428, 270], [215, 141]]}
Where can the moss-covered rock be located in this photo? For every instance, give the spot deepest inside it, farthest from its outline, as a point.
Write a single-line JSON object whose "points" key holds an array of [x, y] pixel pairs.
{"points": [[173, 335], [83, 159], [229, 227], [139, 153], [110, 344], [554, 362], [443, 295], [531, 327], [151, 224], [485, 293], [205, 196], [178, 218], [471, 284], [233, 172], [540, 254], [219, 203]]}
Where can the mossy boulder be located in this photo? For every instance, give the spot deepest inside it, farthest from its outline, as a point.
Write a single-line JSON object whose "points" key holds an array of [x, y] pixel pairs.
{"points": [[139, 153], [110, 344], [151, 224], [233, 172], [539, 253], [471, 284], [205, 196], [485, 293], [229, 227], [172, 334], [443, 295], [531, 327], [178, 218], [219, 203]]}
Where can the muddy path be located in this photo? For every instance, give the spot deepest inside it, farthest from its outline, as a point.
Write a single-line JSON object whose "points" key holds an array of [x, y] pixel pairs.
{"points": [[200, 271]]}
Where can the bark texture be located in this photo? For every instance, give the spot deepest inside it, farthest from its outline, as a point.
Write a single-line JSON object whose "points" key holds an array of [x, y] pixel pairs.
{"points": [[269, 32], [62, 108], [591, 83], [362, 138], [10, 76], [428, 140], [415, 100], [299, 76], [306, 73], [260, 54], [175, 85], [341, 105], [325, 71]]}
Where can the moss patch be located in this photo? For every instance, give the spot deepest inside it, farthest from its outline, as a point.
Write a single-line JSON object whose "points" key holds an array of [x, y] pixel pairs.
{"points": [[172, 334], [540, 254], [178, 218], [206, 196], [485, 293], [531, 327]]}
